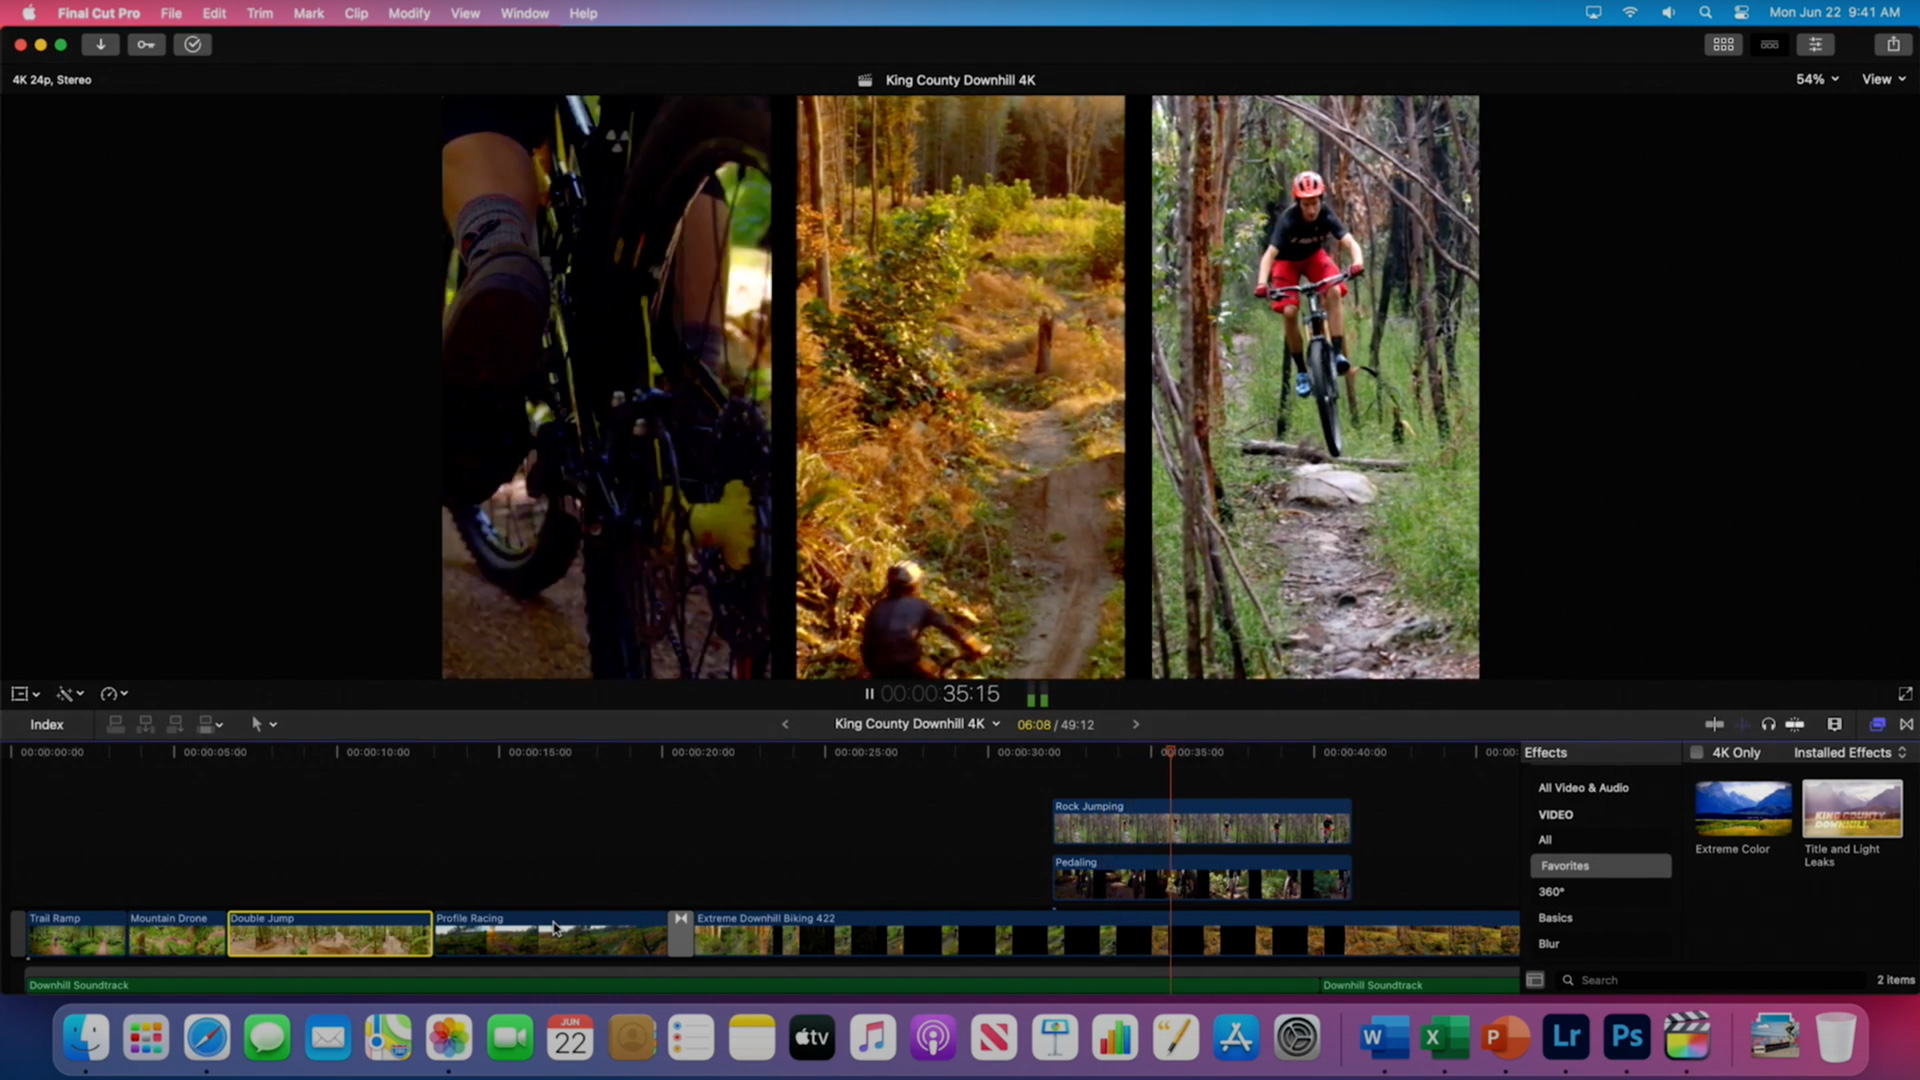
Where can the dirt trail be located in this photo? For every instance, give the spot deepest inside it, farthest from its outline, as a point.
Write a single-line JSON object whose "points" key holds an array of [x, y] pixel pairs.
{"points": [[1348, 620], [1065, 502], [1350, 624]]}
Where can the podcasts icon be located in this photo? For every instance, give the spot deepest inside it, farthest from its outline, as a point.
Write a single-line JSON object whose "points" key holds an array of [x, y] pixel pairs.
{"points": [[932, 1037]]}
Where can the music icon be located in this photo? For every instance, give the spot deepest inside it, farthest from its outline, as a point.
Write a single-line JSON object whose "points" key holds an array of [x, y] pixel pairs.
{"points": [[872, 1036]]}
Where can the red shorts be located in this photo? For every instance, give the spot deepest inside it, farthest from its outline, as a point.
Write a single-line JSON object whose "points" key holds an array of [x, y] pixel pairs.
{"points": [[1317, 267]]}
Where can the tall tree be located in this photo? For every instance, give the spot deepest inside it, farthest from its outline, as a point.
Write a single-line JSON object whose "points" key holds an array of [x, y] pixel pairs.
{"points": [[873, 174], [817, 177], [1429, 359]]}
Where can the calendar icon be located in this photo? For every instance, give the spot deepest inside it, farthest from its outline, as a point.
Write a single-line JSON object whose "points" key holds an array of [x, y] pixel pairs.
{"points": [[570, 1038]]}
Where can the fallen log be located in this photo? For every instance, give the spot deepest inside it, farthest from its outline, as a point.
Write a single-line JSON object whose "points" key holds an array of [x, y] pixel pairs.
{"points": [[1307, 453]]}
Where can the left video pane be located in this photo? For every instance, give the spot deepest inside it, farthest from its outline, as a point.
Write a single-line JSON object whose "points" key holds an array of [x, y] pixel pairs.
{"points": [[960, 391], [605, 418]]}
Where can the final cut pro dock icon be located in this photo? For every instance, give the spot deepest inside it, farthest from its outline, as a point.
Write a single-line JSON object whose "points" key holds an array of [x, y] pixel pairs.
{"points": [[1689, 1036]]}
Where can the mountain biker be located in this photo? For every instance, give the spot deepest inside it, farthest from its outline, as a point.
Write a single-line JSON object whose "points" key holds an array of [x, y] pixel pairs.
{"points": [[1296, 253], [490, 343], [890, 645]]}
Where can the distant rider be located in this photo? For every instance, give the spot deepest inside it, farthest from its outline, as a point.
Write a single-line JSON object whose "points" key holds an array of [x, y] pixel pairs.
{"points": [[1296, 253], [891, 645]]}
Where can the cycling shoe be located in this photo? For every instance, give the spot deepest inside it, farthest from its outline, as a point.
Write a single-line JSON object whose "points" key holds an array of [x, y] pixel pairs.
{"points": [[492, 334]]}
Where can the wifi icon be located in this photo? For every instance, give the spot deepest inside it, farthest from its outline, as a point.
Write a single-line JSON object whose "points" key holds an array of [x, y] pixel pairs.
{"points": [[1632, 11]]}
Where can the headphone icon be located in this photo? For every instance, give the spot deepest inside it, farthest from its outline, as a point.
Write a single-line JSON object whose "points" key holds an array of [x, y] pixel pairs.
{"points": [[1767, 724]]}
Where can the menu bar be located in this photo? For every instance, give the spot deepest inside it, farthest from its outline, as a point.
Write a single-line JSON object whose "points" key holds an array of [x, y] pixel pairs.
{"points": [[979, 13]]}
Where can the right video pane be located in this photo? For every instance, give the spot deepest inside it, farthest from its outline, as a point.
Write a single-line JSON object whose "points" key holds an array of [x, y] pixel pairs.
{"points": [[1316, 317]]}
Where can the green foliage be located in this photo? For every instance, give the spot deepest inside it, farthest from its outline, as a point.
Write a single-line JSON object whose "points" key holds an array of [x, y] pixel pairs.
{"points": [[1107, 252], [987, 206], [420, 945], [750, 200], [886, 331]]}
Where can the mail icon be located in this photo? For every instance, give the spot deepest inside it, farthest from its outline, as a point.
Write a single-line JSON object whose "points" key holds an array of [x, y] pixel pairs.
{"points": [[329, 1038]]}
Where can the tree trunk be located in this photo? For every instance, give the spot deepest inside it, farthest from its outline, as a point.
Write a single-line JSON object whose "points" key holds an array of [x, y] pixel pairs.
{"points": [[873, 176], [1229, 136], [817, 175], [1203, 354], [1203, 286], [1189, 551], [839, 128], [1160, 623], [1415, 264], [1429, 359], [1043, 345]]}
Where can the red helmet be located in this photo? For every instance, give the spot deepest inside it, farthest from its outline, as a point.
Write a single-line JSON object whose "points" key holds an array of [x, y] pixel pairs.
{"points": [[1307, 185]]}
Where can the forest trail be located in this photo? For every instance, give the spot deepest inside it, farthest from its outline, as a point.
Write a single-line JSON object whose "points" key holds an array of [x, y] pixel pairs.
{"points": [[1344, 607], [1351, 624], [1059, 474]]}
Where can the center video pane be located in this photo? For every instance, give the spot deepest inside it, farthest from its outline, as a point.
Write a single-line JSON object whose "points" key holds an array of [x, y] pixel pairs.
{"points": [[962, 388]]}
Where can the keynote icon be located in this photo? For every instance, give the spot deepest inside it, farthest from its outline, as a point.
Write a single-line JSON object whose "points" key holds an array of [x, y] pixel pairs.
{"points": [[1508, 1037], [1055, 1037], [932, 1037]]}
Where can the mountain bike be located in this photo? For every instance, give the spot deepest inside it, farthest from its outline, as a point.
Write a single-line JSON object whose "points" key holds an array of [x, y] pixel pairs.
{"points": [[1326, 388], [641, 459]]}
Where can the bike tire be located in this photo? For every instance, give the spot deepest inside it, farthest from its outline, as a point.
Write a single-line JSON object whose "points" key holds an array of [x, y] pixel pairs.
{"points": [[524, 574], [685, 142], [1326, 393]]}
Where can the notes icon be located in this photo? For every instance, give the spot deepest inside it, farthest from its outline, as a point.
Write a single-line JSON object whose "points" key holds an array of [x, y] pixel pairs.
{"points": [[872, 1036]]}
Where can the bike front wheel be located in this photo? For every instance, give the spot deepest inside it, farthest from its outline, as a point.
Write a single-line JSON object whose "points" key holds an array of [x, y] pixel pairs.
{"points": [[1326, 393]]}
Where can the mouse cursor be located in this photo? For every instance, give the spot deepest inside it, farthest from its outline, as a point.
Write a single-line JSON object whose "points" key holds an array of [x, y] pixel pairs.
{"points": [[256, 723]]}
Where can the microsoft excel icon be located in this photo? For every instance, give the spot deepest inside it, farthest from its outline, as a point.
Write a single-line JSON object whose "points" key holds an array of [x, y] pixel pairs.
{"points": [[1448, 1038]]}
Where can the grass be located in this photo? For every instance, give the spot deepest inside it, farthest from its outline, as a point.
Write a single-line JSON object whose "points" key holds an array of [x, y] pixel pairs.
{"points": [[1109, 657], [1429, 531], [1767, 827]]}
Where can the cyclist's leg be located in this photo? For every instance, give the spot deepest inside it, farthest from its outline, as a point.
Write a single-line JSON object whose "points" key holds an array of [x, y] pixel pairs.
{"points": [[488, 194], [491, 338], [700, 274], [1321, 269], [1288, 273]]}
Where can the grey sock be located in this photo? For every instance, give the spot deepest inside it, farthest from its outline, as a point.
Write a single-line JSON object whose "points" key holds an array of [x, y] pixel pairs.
{"points": [[489, 221]]}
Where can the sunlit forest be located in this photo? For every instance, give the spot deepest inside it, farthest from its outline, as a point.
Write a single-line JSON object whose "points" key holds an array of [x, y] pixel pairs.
{"points": [[961, 382]]}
